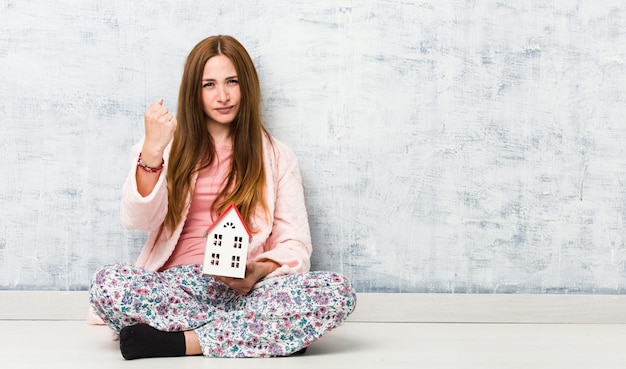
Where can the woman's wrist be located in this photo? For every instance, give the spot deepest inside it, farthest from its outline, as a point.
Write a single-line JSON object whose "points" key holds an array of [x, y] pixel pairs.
{"points": [[148, 167], [269, 266]]}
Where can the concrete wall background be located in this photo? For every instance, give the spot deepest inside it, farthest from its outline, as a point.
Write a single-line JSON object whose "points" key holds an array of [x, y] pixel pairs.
{"points": [[446, 146]]}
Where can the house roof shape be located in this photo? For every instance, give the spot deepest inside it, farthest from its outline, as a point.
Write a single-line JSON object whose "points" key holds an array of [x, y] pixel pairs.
{"points": [[224, 214]]}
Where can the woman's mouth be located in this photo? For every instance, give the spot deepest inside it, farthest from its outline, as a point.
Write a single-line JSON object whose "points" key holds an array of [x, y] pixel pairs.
{"points": [[224, 110]]}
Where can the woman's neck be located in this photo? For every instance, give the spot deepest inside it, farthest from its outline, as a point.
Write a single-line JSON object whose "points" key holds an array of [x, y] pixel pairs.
{"points": [[221, 134]]}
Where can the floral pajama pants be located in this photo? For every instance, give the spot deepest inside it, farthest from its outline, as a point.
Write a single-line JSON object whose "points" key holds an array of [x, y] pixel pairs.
{"points": [[279, 317]]}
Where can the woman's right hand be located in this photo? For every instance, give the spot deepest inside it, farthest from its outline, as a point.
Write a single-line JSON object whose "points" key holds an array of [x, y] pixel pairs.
{"points": [[160, 125]]}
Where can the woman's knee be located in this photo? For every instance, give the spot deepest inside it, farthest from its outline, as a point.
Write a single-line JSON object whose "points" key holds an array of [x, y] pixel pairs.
{"points": [[103, 279], [334, 294], [346, 297]]}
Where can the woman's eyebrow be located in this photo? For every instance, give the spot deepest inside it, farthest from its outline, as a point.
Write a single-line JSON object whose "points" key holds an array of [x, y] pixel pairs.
{"points": [[213, 79]]}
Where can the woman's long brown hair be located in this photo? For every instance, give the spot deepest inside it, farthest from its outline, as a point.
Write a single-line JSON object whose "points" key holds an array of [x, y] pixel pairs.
{"points": [[193, 147]]}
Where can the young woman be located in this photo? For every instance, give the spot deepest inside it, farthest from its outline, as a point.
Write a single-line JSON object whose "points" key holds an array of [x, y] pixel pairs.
{"points": [[185, 172]]}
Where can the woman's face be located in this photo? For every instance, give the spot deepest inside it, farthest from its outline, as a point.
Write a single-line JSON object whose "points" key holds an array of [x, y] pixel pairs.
{"points": [[220, 90]]}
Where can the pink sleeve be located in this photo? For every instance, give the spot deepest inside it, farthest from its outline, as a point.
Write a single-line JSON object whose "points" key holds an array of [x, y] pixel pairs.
{"points": [[289, 243], [138, 212], [92, 318]]}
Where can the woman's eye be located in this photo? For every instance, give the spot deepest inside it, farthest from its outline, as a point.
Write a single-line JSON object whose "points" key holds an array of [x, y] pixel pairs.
{"points": [[233, 81], [207, 84]]}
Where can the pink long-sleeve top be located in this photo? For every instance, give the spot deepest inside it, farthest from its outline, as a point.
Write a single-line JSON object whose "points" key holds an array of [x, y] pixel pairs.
{"points": [[281, 235]]}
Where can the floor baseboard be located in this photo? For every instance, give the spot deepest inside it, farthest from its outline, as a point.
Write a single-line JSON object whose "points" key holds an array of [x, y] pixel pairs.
{"points": [[381, 307]]}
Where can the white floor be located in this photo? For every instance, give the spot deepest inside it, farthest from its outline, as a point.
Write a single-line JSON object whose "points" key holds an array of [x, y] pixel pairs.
{"points": [[74, 344]]}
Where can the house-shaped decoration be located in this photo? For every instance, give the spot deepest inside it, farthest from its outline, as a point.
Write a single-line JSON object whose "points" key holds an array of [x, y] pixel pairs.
{"points": [[227, 243]]}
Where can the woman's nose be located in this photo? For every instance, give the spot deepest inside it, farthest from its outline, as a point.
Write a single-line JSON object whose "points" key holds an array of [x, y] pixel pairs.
{"points": [[222, 94]]}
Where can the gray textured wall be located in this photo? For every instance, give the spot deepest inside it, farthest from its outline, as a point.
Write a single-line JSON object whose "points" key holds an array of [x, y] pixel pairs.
{"points": [[446, 146]]}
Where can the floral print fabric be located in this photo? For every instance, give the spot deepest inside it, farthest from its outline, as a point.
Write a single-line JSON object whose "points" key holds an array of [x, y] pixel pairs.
{"points": [[279, 317]]}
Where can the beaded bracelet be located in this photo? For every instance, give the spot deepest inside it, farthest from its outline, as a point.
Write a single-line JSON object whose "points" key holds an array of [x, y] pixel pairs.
{"points": [[148, 169]]}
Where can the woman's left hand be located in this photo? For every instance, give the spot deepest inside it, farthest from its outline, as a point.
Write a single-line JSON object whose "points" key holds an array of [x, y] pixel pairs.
{"points": [[255, 271]]}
